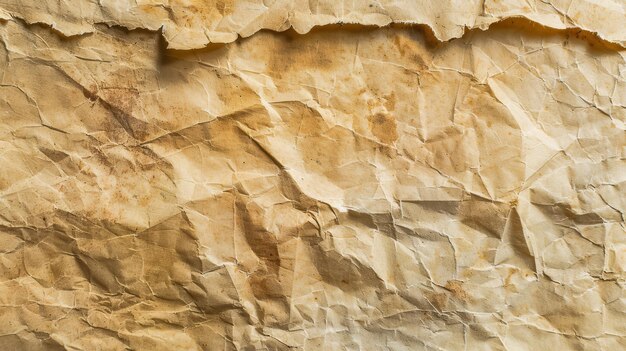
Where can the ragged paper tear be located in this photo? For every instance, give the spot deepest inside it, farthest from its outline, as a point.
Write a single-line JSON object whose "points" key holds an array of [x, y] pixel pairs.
{"points": [[321, 175], [192, 24]]}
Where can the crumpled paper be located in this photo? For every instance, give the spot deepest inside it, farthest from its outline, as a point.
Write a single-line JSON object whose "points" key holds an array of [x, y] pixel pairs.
{"points": [[376, 175], [192, 24]]}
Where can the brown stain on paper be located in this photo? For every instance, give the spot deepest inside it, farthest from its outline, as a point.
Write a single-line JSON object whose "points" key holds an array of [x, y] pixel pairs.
{"points": [[383, 126], [456, 288]]}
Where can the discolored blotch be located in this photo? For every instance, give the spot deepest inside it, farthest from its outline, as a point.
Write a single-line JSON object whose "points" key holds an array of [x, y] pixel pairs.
{"points": [[383, 126], [390, 102], [225, 7], [456, 288], [438, 300]]}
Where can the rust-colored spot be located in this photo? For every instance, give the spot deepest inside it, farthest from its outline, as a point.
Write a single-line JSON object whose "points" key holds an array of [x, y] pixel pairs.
{"points": [[383, 126], [439, 300], [456, 288], [390, 102]]}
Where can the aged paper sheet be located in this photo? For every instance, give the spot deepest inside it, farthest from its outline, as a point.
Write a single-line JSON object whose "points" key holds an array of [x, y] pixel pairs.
{"points": [[312, 175]]}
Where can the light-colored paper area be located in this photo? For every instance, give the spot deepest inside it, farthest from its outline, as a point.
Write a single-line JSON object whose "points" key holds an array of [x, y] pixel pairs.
{"points": [[345, 187], [192, 24]]}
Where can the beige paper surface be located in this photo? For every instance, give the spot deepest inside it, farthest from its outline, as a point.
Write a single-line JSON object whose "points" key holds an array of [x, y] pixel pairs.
{"points": [[312, 175]]}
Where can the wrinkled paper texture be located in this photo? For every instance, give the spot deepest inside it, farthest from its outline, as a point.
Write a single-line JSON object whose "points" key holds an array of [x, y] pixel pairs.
{"points": [[312, 175]]}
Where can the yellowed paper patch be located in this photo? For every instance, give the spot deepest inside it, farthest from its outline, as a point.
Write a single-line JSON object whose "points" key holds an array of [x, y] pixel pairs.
{"points": [[247, 175]]}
